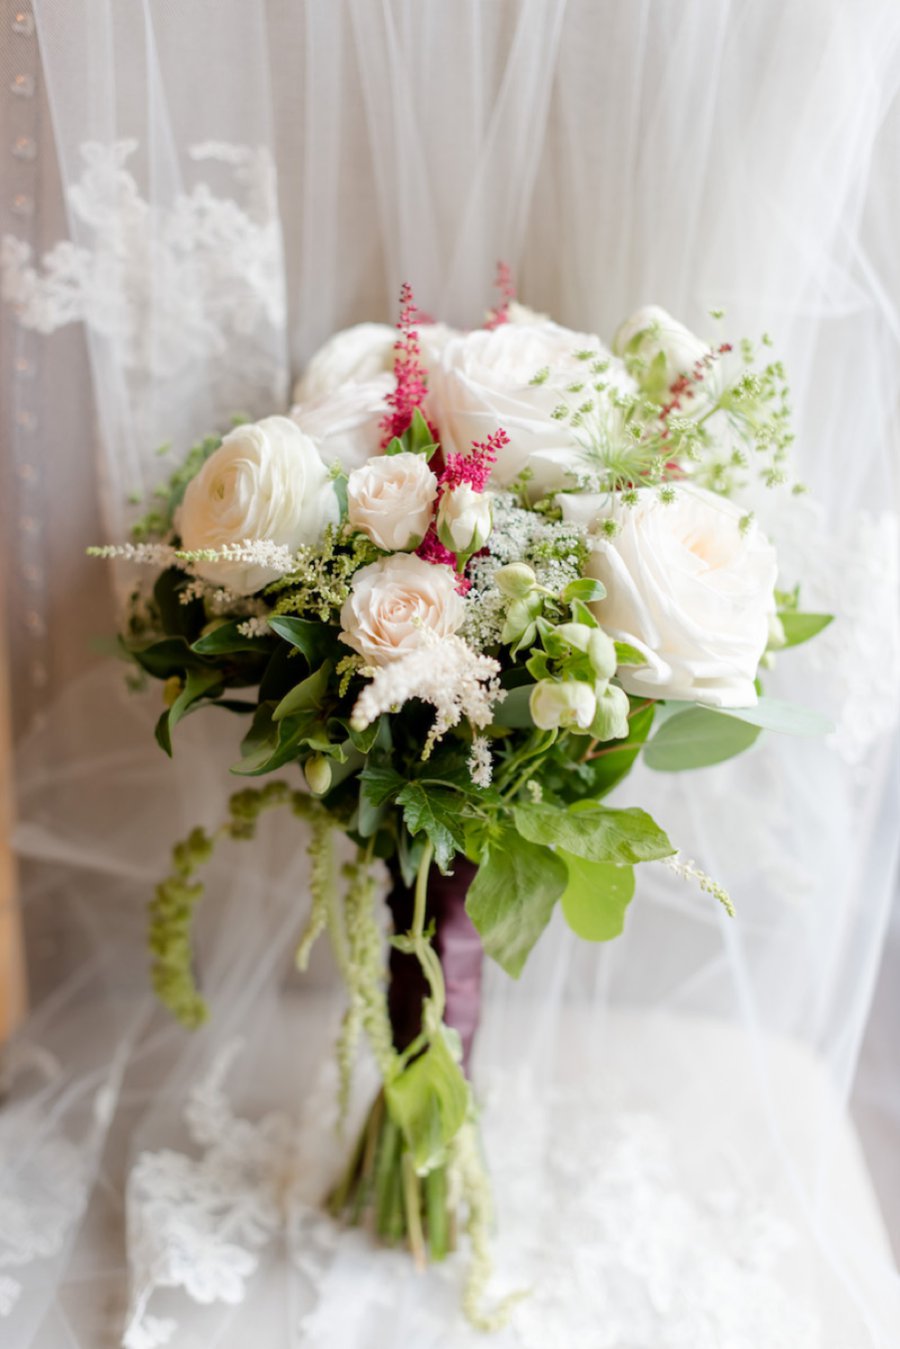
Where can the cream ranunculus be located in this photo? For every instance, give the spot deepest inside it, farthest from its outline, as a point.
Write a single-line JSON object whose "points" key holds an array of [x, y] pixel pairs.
{"points": [[652, 330], [347, 424], [265, 482], [354, 356], [391, 500], [464, 519], [687, 587], [392, 603], [515, 376]]}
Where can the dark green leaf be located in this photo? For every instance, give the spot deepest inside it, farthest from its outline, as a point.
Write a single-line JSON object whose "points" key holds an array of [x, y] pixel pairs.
{"points": [[514, 711], [596, 897], [225, 639], [381, 783], [434, 811], [177, 618], [595, 832], [512, 896], [313, 639], [197, 684], [307, 696]]}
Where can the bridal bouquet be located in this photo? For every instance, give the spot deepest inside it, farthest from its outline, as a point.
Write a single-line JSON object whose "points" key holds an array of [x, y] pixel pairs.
{"points": [[461, 587]]}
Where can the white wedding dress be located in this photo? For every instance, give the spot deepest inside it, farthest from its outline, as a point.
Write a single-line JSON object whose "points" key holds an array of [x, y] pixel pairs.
{"points": [[199, 194]]}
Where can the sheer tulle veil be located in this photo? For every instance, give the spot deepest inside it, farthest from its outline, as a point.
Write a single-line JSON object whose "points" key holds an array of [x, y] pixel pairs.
{"points": [[240, 179]]}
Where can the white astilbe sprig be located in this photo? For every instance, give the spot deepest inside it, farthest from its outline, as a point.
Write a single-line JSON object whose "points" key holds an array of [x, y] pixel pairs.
{"points": [[250, 552], [480, 763], [457, 681]]}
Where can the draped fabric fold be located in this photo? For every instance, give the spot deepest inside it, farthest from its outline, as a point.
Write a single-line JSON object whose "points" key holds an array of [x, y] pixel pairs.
{"points": [[666, 1117]]}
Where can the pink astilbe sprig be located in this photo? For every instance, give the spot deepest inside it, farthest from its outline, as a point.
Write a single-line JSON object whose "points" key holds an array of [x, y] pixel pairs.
{"points": [[432, 550], [475, 467], [506, 286], [409, 373]]}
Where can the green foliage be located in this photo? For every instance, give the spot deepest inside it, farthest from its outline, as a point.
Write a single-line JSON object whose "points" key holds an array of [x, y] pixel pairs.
{"points": [[596, 897], [594, 832], [434, 811], [697, 737], [200, 683], [429, 1100], [512, 896], [801, 627]]}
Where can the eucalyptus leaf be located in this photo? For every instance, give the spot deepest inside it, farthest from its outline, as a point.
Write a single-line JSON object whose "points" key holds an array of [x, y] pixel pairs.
{"points": [[771, 714], [512, 896], [596, 897], [514, 711], [696, 738]]}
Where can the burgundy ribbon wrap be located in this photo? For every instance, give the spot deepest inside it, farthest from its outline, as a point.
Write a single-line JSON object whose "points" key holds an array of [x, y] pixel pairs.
{"points": [[459, 950]]}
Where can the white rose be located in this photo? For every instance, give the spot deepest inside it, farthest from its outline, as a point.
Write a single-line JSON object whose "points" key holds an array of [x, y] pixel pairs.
{"points": [[685, 586], [354, 356], [653, 330], [464, 518], [346, 424], [487, 379], [391, 500], [266, 481], [392, 602]]}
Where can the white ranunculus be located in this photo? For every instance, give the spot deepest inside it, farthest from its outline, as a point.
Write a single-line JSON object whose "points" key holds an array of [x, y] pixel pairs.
{"points": [[652, 330], [394, 601], [514, 377], [354, 356], [685, 586], [391, 500], [265, 482], [464, 518], [347, 424]]}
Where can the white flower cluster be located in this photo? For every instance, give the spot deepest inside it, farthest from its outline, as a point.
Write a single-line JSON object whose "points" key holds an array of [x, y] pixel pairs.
{"points": [[443, 671]]}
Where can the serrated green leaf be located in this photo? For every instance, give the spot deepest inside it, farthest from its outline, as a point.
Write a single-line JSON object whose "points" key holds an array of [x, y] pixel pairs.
{"points": [[696, 738], [512, 896], [596, 897], [435, 812], [597, 833], [381, 783], [429, 1102], [801, 627]]}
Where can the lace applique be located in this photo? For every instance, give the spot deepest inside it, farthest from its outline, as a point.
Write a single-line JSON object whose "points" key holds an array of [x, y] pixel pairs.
{"points": [[200, 1224], [166, 283], [39, 1203]]}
